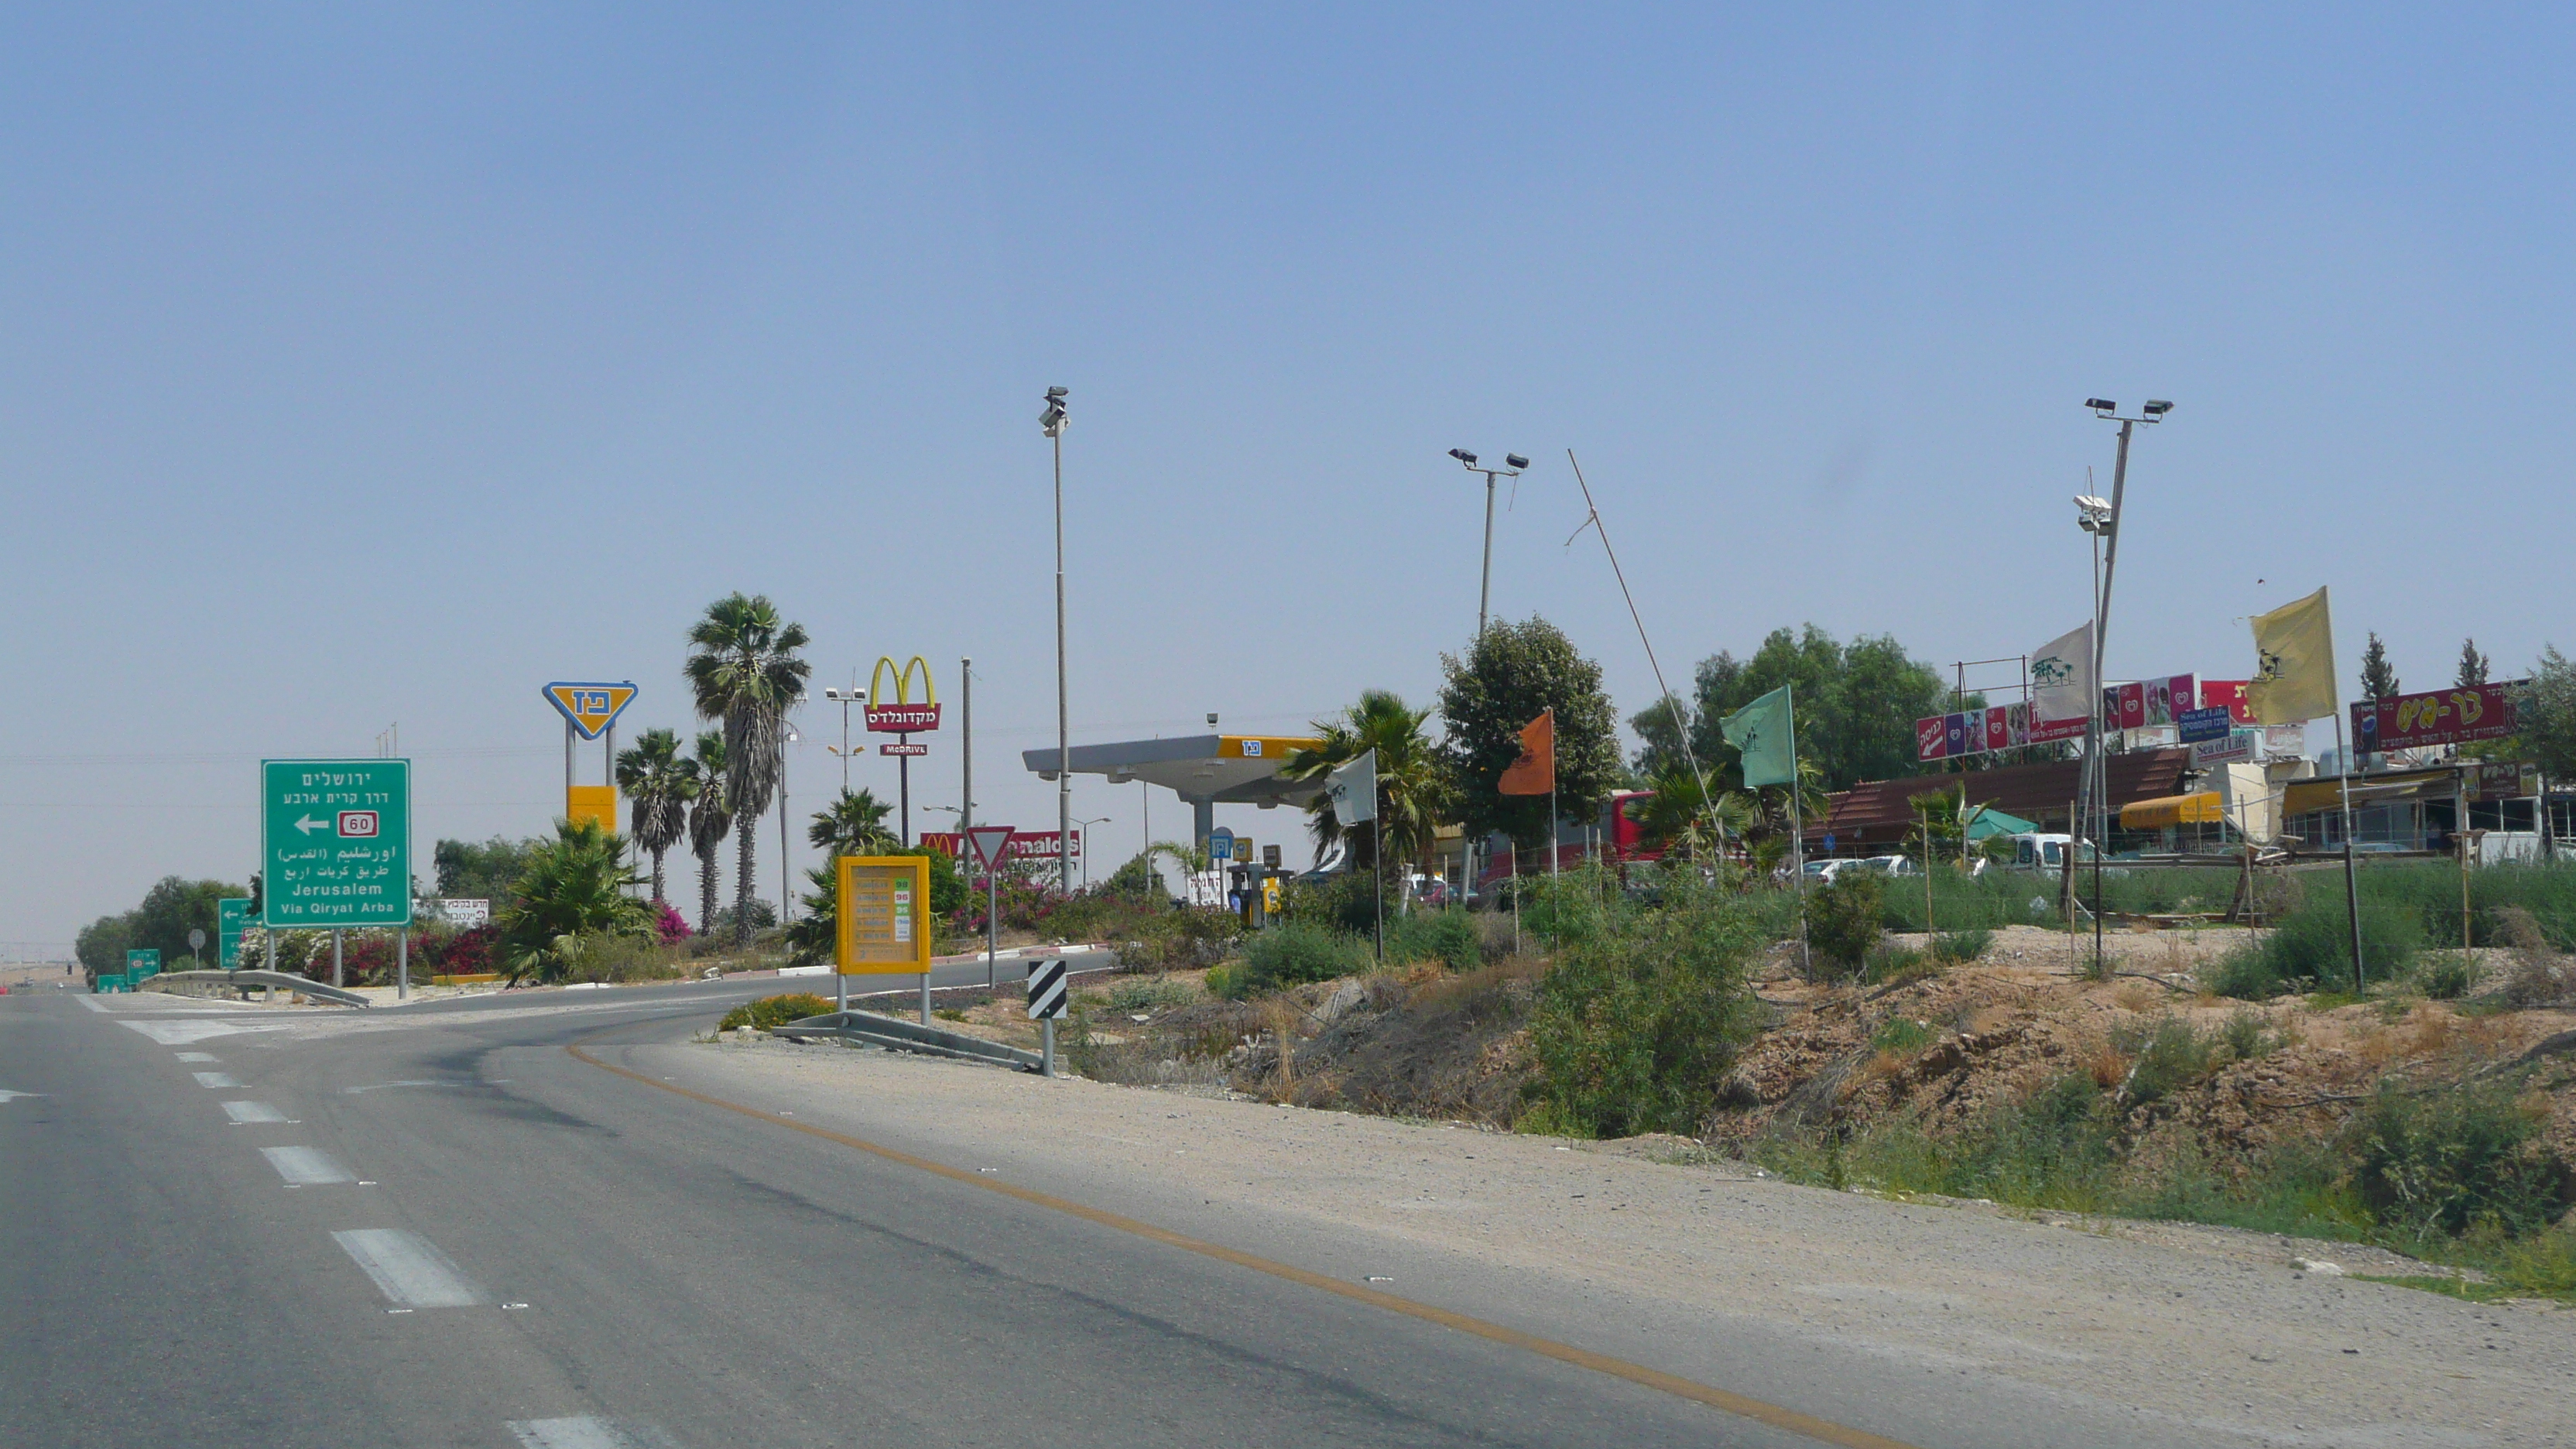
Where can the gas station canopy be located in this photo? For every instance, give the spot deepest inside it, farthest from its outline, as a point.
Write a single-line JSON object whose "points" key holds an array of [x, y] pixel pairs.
{"points": [[1221, 769]]}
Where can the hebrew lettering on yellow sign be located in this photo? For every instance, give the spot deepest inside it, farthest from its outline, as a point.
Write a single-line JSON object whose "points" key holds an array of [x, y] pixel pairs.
{"points": [[884, 901]]}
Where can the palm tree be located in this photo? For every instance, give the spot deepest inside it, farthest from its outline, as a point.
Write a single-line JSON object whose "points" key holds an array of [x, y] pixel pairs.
{"points": [[1411, 789], [709, 820], [744, 671], [1676, 819], [573, 890], [661, 781], [853, 825]]}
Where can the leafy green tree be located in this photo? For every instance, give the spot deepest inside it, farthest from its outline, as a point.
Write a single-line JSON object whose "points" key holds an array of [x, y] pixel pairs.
{"points": [[2473, 666], [102, 944], [709, 820], [2378, 676], [2545, 717], [574, 888], [489, 871], [1678, 820], [169, 911], [854, 824], [1411, 782], [744, 669], [1509, 675], [661, 782], [1856, 706]]}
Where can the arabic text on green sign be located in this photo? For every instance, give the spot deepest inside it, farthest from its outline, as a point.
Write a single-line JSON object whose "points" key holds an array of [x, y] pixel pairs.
{"points": [[140, 964], [335, 843]]}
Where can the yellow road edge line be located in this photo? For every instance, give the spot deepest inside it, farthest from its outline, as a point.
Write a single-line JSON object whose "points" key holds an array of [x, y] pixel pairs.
{"points": [[1822, 1430]]}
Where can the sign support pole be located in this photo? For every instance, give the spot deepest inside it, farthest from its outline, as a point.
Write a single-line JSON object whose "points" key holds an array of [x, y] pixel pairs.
{"points": [[402, 964], [992, 920], [568, 766], [335, 957]]}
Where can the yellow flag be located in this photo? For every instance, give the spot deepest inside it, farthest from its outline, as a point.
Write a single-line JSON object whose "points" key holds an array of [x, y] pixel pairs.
{"points": [[2294, 678]]}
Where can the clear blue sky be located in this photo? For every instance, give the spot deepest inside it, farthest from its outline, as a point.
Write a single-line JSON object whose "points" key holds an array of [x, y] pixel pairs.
{"points": [[374, 365]]}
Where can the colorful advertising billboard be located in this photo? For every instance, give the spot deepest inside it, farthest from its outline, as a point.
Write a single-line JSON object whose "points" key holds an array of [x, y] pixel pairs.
{"points": [[2438, 717]]}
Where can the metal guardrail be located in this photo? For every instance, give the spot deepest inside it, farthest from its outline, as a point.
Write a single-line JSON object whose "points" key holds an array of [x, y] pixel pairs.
{"points": [[897, 1034], [247, 979]]}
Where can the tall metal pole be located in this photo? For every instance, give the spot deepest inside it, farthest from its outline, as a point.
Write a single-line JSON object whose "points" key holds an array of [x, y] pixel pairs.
{"points": [[966, 786], [1485, 589], [845, 739], [1063, 718], [2351, 870], [903, 790], [785, 875], [567, 767]]}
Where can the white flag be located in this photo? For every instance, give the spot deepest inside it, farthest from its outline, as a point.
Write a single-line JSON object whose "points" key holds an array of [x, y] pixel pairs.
{"points": [[2061, 677], [1353, 790]]}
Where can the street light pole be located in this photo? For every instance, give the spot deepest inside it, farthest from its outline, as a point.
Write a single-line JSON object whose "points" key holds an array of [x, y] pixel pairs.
{"points": [[1485, 588], [1053, 421], [2102, 524], [786, 876], [1086, 855]]}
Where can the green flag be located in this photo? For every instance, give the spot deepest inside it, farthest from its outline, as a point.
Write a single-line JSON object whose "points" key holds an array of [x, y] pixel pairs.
{"points": [[1765, 733]]}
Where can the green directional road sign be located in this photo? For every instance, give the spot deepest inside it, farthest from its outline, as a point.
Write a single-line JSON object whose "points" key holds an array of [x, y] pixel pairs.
{"points": [[232, 917], [335, 843], [140, 964]]}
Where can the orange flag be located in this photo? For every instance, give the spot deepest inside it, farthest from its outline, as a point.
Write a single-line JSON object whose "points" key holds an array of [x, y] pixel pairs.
{"points": [[1534, 773]]}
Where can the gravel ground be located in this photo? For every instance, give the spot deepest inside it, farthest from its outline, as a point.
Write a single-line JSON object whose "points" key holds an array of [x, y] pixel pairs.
{"points": [[2227, 1337]]}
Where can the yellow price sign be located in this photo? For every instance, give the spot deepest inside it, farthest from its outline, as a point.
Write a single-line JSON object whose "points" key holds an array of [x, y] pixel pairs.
{"points": [[884, 902]]}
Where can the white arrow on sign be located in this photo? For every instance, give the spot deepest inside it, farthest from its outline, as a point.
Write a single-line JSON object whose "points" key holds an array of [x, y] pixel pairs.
{"points": [[307, 825]]}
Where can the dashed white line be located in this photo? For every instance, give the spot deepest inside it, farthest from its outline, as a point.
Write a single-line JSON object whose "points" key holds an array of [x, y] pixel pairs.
{"points": [[587, 1432], [214, 1079], [409, 1269], [253, 1112], [198, 1057], [92, 1002], [306, 1166]]}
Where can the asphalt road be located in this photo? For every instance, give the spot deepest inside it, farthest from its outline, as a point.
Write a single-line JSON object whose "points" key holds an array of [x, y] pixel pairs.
{"points": [[435, 1226]]}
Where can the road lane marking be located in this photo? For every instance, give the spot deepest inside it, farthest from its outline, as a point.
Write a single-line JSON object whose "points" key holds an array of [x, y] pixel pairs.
{"points": [[214, 1079], [181, 1033], [306, 1166], [9, 1096], [587, 1432], [93, 1003], [1760, 1411], [199, 1057], [408, 1269], [380, 1086], [253, 1112]]}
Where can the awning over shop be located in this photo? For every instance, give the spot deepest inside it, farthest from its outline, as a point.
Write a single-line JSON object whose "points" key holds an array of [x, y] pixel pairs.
{"points": [[2309, 796], [2171, 810], [1989, 823]]}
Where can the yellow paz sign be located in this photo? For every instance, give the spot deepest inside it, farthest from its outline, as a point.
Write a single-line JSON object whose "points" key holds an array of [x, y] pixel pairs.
{"points": [[589, 708], [884, 904]]}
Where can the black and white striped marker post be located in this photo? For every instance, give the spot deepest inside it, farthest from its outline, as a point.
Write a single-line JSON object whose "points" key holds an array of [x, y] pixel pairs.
{"points": [[1046, 1003]]}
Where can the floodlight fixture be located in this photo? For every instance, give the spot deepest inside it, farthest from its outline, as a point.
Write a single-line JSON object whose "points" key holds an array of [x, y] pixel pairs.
{"points": [[2101, 405], [1516, 460], [2158, 407], [1463, 456]]}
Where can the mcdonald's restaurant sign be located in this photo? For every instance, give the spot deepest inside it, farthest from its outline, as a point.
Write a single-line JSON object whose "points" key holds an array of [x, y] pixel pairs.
{"points": [[900, 713]]}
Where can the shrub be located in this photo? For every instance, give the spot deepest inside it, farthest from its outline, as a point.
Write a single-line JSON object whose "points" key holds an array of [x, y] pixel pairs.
{"points": [[1958, 947], [2314, 944], [2537, 977], [1144, 993], [2444, 1162], [1902, 1034], [1449, 937], [2171, 1057], [2245, 1036], [1225, 981], [1635, 1029], [1182, 939], [1890, 963], [2449, 979], [1843, 921], [772, 1012], [1294, 952]]}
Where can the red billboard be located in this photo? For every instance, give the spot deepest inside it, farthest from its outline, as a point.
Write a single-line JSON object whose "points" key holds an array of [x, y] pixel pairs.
{"points": [[2438, 717]]}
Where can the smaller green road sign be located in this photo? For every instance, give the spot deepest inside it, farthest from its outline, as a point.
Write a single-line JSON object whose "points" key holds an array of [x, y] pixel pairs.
{"points": [[232, 917], [335, 843], [140, 964]]}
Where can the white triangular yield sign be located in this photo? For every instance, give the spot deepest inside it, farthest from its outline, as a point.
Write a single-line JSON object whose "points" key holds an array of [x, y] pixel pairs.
{"points": [[990, 841]]}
